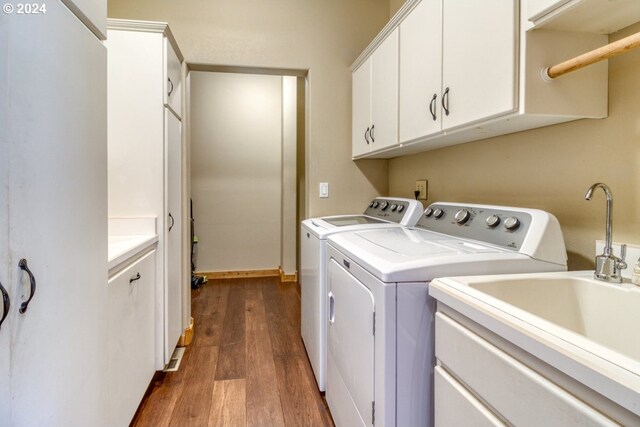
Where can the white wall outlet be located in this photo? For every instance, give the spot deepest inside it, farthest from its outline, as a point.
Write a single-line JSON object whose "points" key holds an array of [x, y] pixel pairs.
{"points": [[324, 189], [422, 185]]}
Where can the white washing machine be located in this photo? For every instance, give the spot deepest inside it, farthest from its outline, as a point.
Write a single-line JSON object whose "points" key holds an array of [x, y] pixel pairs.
{"points": [[380, 341], [382, 212]]}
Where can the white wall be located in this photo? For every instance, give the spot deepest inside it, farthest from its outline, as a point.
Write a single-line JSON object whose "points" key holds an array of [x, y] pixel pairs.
{"points": [[237, 174]]}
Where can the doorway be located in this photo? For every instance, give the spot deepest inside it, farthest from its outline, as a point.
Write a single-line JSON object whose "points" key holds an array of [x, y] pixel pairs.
{"points": [[247, 169]]}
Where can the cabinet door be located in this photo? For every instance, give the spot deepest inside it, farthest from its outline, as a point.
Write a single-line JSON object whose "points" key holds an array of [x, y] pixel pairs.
{"points": [[57, 220], [173, 79], [361, 105], [5, 268], [479, 65], [131, 335], [421, 71], [384, 93], [173, 233]]}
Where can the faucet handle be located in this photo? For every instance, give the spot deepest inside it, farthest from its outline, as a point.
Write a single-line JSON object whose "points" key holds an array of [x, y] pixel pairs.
{"points": [[621, 264]]}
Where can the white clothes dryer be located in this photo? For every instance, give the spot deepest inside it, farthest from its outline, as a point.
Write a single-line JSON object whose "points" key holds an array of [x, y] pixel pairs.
{"points": [[380, 355], [382, 212]]}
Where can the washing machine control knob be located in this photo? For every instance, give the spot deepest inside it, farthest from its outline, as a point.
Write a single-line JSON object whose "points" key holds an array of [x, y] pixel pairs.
{"points": [[428, 212], [438, 213], [400, 208], [511, 223], [462, 216], [394, 207], [493, 220], [371, 204], [384, 205], [375, 205]]}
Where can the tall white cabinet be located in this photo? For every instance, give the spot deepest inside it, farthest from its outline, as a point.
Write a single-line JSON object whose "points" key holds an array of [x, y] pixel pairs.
{"points": [[145, 154], [53, 214]]}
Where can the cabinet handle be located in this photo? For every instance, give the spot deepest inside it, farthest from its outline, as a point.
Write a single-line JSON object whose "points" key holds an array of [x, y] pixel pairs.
{"points": [[366, 136], [32, 280], [171, 83], [332, 302], [445, 101], [432, 106], [6, 304], [134, 278], [371, 133], [172, 222]]}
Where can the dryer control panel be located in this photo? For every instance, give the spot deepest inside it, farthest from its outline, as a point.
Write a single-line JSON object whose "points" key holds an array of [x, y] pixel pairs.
{"points": [[502, 226], [392, 209]]}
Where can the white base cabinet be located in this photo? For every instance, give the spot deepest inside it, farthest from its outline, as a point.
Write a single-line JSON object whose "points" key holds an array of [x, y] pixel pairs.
{"points": [[481, 379], [131, 336], [145, 156]]}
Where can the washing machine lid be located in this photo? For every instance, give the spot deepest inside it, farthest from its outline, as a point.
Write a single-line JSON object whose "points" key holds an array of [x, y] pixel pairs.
{"points": [[416, 255], [343, 221]]}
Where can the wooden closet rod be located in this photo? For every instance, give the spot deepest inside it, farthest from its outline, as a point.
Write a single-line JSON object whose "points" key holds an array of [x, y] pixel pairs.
{"points": [[612, 49]]}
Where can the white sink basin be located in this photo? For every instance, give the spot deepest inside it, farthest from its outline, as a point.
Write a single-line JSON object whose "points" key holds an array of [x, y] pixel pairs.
{"points": [[607, 314], [587, 328]]}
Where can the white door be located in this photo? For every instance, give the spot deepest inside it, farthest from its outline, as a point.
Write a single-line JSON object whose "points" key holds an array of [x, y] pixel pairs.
{"points": [[350, 348], [479, 61], [313, 302], [57, 124], [361, 109], [421, 71], [173, 233], [384, 93]]}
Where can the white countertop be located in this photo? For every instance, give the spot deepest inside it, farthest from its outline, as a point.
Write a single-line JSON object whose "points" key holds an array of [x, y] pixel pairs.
{"points": [[122, 248], [129, 237]]}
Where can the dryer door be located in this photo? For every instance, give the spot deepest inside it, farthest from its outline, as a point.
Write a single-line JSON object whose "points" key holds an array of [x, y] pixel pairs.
{"points": [[350, 367]]}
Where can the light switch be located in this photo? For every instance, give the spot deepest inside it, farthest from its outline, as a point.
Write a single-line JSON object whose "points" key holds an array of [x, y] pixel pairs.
{"points": [[324, 189]]}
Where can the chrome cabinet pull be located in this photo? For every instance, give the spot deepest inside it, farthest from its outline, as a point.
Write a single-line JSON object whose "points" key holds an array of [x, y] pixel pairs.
{"points": [[172, 222], [371, 133], [445, 101], [32, 280], [432, 106], [171, 83], [134, 278], [366, 136], [6, 304]]}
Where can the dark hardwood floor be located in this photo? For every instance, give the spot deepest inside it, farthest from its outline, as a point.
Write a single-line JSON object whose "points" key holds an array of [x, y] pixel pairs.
{"points": [[246, 365]]}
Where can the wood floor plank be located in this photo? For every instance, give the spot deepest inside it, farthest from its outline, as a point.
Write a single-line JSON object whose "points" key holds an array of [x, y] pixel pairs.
{"points": [[231, 359], [301, 403], [194, 403], [284, 323], [229, 404], [263, 399]]}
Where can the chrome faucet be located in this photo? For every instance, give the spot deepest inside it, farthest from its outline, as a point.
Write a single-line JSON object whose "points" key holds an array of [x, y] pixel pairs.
{"points": [[608, 266]]}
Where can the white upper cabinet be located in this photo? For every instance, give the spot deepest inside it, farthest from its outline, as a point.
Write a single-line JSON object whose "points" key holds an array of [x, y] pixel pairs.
{"points": [[469, 71], [375, 99], [421, 71], [361, 115], [479, 63], [173, 78]]}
